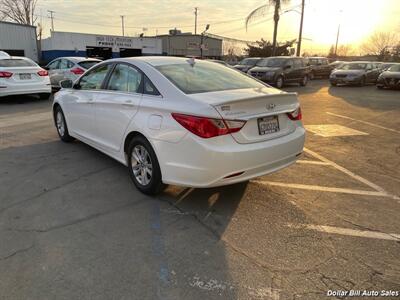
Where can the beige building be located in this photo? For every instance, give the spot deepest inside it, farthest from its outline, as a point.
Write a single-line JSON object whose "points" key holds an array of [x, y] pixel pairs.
{"points": [[187, 44]]}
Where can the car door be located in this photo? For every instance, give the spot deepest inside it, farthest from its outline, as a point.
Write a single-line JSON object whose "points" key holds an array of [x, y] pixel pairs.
{"points": [[117, 105], [53, 69], [370, 73], [325, 69], [298, 69], [289, 71], [79, 106]]}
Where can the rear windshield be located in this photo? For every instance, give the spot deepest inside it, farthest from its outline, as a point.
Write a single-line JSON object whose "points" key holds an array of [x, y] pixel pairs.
{"points": [[354, 66], [203, 77], [395, 68], [249, 61], [88, 64], [8, 63]]}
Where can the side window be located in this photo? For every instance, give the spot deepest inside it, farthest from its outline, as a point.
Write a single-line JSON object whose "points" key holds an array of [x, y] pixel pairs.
{"points": [[125, 79], [63, 64], [54, 65], [369, 66], [149, 87], [297, 63], [70, 64], [94, 79], [324, 62], [289, 63]]}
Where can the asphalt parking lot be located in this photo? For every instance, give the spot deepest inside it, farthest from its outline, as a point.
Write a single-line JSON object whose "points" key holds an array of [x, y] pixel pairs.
{"points": [[72, 225]]}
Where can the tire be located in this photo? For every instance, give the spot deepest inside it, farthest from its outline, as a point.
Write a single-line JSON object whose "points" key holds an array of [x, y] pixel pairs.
{"points": [[61, 125], [279, 82], [312, 76], [44, 96], [380, 87], [304, 81], [362, 81], [143, 166], [333, 83]]}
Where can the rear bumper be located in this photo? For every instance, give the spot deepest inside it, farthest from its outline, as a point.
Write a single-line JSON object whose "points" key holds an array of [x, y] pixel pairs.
{"points": [[196, 162], [26, 90], [348, 81]]}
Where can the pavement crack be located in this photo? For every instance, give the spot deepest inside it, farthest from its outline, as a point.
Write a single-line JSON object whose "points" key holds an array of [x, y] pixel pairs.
{"points": [[17, 252], [45, 191], [78, 221]]}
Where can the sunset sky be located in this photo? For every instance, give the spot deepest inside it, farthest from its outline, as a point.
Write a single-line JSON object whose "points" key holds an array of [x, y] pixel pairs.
{"points": [[358, 18]]}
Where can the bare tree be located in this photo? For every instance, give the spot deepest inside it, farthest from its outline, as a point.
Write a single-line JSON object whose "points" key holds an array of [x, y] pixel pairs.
{"points": [[379, 43], [19, 11], [260, 11]]}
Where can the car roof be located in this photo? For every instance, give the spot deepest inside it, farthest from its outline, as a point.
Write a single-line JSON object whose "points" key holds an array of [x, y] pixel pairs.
{"points": [[158, 60], [317, 57], [78, 58]]}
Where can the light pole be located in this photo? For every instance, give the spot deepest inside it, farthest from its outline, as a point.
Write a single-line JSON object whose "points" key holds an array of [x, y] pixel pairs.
{"points": [[123, 25], [338, 32], [201, 40], [195, 20], [301, 29]]}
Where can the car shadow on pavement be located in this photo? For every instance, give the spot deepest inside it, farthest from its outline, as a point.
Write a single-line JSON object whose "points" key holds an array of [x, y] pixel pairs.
{"points": [[22, 99], [366, 96], [313, 86]]}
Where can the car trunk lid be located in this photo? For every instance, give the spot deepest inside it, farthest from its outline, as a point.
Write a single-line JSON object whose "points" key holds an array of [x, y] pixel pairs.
{"points": [[264, 110]]}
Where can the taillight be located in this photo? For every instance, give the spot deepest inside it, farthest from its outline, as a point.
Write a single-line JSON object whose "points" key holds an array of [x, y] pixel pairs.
{"points": [[208, 127], [295, 115], [77, 71], [4, 74], [43, 73]]}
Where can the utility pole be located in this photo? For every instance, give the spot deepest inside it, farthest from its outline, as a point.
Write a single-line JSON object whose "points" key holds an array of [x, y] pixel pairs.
{"points": [[195, 20], [202, 40], [337, 39], [123, 26], [52, 19], [301, 29]]}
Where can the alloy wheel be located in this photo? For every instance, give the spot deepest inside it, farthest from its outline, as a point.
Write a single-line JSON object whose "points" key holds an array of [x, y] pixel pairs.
{"points": [[60, 123], [142, 166]]}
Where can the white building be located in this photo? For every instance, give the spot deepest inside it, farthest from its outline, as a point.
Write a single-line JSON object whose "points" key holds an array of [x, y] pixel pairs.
{"points": [[19, 40], [96, 45]]}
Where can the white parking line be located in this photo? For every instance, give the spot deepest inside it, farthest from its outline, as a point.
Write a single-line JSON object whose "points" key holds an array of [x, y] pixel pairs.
{"points": [[344, 170], [324, 188], [23, 119], [312, 162], [349, 232], [365, 122]]}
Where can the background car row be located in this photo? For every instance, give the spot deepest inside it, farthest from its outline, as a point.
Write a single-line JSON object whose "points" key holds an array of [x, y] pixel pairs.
{"points": [[280, 70]]}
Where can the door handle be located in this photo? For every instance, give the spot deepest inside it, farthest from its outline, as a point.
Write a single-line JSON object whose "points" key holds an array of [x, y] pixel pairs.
{"points": [[128, 103]]}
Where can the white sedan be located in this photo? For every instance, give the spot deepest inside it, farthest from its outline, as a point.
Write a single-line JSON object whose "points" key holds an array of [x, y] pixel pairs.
{"points": [[21, 75], [181, 121]]}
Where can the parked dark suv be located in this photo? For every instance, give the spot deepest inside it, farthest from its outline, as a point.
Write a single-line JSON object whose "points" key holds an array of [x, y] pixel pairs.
{"points": [[319, 67], [279, 70]]}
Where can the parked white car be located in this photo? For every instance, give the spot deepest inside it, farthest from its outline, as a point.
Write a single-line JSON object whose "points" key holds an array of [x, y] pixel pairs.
{"points": [[21, 75], [68, 68], [181, 121]]}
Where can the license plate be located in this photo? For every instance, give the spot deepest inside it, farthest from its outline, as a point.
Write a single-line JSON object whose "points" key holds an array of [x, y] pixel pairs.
{"points": [[268, 125], [25, 76]]}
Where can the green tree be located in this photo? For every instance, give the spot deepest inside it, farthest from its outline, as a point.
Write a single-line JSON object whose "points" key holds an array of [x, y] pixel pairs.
{"points": [[259, 11]]}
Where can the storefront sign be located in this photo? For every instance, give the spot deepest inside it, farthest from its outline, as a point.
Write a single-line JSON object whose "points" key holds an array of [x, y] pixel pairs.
{"points": [[114, 42]]}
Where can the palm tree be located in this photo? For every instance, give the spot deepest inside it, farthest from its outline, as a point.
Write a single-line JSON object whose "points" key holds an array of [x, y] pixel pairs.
{"points": [[261, 10]]}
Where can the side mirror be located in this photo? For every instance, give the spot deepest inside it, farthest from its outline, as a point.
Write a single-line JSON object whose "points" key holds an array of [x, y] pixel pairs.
{"points": [[66, 84]]}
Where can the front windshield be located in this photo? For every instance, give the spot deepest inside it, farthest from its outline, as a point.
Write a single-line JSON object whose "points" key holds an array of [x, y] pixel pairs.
{"points": [[205, 77], [272, 62], [395, 68], [354, 66], [249, 61]]}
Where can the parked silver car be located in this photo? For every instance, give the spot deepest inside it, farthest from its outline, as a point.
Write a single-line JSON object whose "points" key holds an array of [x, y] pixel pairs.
{"points": [[68, 68], [355, 73]]}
